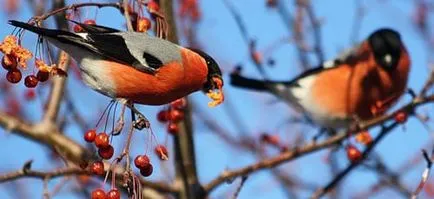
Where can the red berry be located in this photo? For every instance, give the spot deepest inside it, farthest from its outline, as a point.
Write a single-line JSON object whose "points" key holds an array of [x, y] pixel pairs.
{"points": [[9, 62], [90, 135], [143, 24], [173, 128], [353, 153], [106, 153], [270, 139], [31, 81], [30, 94], [42, 76], [97, 168], [176, 115], [77, 28], [163, 116], [98, 194], [401, 117], [102, 140], [89, 22], [114, 194], [161, 152], [178, 104], [141, 161], [14, 76], [153, 6], [147, 170]]}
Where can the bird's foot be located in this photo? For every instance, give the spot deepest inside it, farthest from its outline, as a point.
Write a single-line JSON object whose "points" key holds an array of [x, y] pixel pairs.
{"points": [[141, 122]]}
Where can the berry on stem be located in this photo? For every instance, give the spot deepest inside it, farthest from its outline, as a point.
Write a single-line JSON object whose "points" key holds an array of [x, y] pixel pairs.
{"points": [[161, 152], [147, 170], [179, 103], [42, 76], [141, 161], [90, 135], [153, 6], [77, 28], [173, 128], [97, 168], [98, 194], [14, 76], [353, 153], [31, 81], [114, 194], [9, 62], [89, 22], [143, 24], [401, 117], [106, 153], [163, 116], [102, 140], [176, 115]]}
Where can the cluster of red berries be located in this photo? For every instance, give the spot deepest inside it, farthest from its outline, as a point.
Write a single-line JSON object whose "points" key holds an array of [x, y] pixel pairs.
{"points": [[101, 194], [173, 115], [102, 142], [14, 75]]}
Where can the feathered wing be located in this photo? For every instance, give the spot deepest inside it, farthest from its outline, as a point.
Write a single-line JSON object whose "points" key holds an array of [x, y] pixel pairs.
{"points": [[138, 50]]}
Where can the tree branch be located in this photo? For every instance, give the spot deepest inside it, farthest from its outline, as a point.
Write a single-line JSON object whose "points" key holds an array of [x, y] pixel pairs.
{"points": [[311, 147]]}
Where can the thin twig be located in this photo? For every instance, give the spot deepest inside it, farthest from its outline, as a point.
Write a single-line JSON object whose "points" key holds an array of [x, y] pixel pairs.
{"points": [[425, 174]]}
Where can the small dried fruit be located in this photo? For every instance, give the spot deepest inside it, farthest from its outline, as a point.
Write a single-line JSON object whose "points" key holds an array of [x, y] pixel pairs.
{"points": [[31, 81], [162, 152], [14, 76]]}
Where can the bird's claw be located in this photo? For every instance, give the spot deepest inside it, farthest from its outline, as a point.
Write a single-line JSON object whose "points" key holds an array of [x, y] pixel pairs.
{"points": [[141, 123]]}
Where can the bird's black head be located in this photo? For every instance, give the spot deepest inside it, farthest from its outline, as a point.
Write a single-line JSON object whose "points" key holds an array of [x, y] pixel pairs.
{"points": [[213, 71], [214, 80], [386, 46]]}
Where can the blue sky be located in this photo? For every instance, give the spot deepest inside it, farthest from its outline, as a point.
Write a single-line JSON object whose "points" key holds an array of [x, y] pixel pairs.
{"points": [[220, 37]]}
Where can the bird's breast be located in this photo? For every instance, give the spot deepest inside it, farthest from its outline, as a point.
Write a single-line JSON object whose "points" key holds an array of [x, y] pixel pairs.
{"points": [[172, 81]]}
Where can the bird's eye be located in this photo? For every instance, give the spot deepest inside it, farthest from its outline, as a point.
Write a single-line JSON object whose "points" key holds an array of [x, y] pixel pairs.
{"points": [[388, 59]]}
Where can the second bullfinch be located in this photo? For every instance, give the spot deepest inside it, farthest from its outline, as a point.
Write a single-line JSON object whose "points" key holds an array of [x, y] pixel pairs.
{"points": [[358, 85], [135, 66]]}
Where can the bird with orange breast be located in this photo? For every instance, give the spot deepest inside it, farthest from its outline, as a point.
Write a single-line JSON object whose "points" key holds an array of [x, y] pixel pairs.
{"points": [[134, 66], [358, 85]]}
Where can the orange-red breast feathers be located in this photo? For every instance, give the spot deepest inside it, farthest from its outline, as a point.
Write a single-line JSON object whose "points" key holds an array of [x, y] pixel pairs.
{"points": [[170, 82], [353, 88]]}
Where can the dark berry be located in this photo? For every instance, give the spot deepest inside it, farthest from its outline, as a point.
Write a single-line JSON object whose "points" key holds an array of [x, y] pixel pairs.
{"points": [[106, 153], [42, 76]]}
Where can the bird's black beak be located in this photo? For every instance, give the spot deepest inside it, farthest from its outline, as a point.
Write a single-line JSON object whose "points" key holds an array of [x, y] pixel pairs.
{"points": [[213, 86]]}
